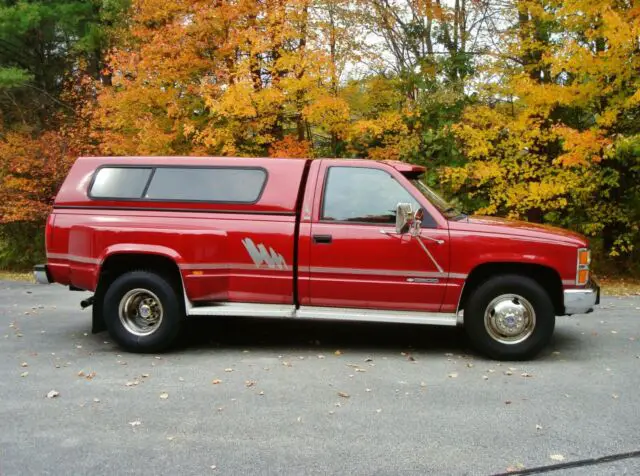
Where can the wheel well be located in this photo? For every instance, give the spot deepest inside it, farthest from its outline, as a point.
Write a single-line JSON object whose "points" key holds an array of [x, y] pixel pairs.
{"points": [[118, 264], [546, 277]]}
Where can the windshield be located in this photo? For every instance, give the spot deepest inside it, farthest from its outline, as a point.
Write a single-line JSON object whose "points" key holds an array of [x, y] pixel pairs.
{"points": [[448, 209]]}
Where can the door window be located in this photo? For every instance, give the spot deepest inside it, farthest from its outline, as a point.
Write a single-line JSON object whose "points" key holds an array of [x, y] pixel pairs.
{"points": [[362, 195]]}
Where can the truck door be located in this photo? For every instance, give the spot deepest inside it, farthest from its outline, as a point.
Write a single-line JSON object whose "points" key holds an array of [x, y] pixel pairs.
{"points": [[355, 259]]}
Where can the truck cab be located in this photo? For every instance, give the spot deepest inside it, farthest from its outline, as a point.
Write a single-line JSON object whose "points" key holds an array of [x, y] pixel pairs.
{"points": [[159, 239]]}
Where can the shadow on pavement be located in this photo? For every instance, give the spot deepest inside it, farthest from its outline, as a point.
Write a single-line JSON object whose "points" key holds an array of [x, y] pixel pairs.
{"points": [[288, 335], [250, 333]]}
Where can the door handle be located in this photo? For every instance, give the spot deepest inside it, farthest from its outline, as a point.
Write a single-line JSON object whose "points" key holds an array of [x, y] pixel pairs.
{"points": [[322, 238]]}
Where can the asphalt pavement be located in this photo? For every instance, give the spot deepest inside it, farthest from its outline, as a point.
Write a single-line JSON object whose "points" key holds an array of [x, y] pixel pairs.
{"points": [[276, 397]]}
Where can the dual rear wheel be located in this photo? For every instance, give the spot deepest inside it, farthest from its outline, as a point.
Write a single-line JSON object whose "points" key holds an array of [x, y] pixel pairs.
{"points": [[143, 311], [508, 317]]}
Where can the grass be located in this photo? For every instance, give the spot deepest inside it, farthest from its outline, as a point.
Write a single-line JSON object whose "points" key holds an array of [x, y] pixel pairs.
{"points": [[620, 286], [16, 276]]}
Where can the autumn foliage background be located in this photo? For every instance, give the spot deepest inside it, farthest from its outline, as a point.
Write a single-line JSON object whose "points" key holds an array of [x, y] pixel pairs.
{"points": [[526, 109]]}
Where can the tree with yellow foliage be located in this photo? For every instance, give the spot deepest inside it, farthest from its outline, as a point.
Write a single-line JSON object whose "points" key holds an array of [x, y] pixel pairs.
{"points": [[557, 137]]}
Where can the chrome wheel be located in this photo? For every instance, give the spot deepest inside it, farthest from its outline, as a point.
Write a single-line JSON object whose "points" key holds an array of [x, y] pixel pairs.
{"points": [[509, 319], [140, 312]]}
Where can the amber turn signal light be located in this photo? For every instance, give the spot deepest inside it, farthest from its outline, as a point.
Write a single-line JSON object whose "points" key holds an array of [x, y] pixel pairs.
{"points": [[583, 276], [584, 257]]}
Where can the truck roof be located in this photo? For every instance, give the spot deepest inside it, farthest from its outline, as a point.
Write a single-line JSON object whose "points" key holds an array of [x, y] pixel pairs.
{"points": [[278, 195]]}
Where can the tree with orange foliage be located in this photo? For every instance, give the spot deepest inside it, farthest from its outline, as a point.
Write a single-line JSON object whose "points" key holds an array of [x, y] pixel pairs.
{"points": [[218, 78]]}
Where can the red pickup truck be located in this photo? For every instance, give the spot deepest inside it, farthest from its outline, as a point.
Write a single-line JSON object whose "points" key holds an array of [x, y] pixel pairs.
{"points": [[159, 239]]}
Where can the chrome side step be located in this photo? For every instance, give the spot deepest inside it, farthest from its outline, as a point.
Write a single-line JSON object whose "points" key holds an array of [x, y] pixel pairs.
{"points": [[242, 309], [376, 315], [323, 313]]}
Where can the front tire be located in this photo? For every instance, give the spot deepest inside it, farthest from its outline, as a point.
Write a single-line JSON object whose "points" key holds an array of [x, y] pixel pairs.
{"points": [[143, 312], [509, 317]]}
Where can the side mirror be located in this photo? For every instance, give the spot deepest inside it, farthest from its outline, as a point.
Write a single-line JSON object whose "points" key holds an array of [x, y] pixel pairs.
{"points": [[404, 218]]}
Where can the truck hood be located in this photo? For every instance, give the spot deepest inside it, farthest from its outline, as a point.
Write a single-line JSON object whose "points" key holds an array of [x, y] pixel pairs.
{"points": [[502, 226]]}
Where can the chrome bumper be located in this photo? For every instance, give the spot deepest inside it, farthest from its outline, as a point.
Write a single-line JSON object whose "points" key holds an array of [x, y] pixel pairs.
{"points": [[582, 301], [41, 274]]}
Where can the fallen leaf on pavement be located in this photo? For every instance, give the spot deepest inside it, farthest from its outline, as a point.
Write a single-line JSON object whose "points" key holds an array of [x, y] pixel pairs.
{"points": [[97, 400], [286, 364], [132, 383], [337, 352], [24, 374], [250, 383], [507, 402], [145, 375], [216, 381], [557, 457], [135, 423], [24, 364], [614, 396], [344, 395], [164, 395], [320, 356], [515, 467], [508, 372], [526, 374], [368, 359], [379, 410], [538, 427], [228, 370], [453, 375], [53, 394], [261, 392], [484, 377]]}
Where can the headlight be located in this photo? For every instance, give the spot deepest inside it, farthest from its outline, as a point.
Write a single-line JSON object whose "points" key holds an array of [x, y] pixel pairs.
{"points": [[582, 271]]}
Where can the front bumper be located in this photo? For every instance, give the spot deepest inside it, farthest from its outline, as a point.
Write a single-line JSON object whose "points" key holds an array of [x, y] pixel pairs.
{"points": [[582, 301], [41, 273]]}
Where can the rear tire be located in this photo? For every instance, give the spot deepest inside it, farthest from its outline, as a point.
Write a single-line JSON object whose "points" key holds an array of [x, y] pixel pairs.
{"points": [[509, 317], [143, 312]]}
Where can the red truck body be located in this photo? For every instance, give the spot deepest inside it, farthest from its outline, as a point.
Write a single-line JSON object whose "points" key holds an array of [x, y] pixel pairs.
{"points": [[291, 249]]}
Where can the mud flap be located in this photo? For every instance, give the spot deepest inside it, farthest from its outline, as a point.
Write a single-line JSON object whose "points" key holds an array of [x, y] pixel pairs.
{"points": [[97, 318]]}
